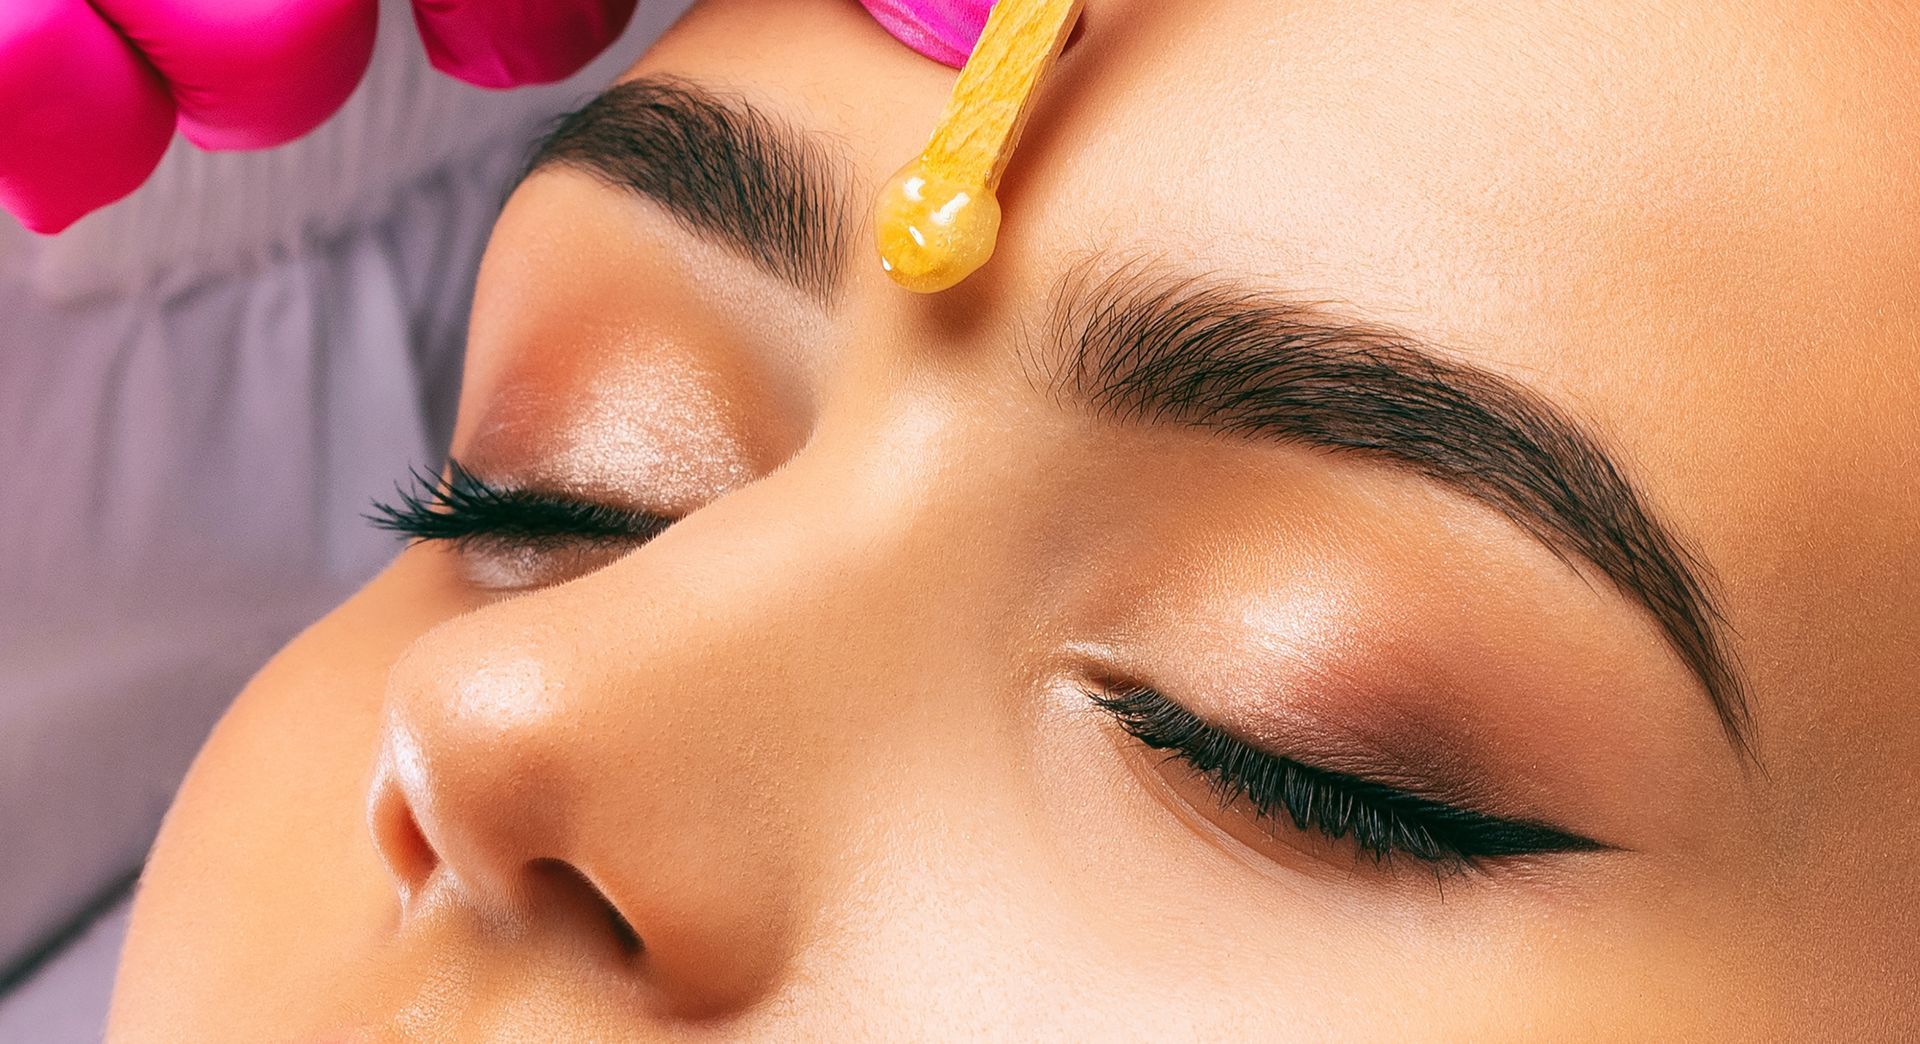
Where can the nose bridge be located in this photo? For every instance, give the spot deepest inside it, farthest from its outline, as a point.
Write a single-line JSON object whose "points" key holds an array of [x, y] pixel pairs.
{"points": [[669, 725]]}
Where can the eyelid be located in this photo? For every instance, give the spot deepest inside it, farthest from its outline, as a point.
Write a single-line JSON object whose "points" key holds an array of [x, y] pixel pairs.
{"points": [[1381, 821], [460, 505], [509, 539]]}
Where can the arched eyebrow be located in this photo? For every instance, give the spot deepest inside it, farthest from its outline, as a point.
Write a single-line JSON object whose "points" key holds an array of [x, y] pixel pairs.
{"points": [[721, 168], [1140, 344]]}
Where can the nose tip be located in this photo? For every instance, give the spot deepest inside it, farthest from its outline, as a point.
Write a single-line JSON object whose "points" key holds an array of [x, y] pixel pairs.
{"points": [[467, 787], [526, 798], [462, 817], [473, 807], [472, 783], [520, 887]]}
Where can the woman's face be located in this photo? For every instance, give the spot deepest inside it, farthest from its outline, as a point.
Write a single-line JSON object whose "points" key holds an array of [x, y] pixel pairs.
{"points": [[1413, 533]]}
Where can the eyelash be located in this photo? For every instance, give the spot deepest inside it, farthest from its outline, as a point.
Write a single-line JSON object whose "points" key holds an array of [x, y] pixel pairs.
{"points": [[463, 508], [1383, 823]]}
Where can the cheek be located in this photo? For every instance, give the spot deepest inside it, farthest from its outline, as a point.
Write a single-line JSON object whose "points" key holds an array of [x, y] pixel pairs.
{"points": [[263, 880]]}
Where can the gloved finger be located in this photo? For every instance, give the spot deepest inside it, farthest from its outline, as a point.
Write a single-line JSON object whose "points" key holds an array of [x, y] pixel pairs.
{"points": [[83, 118], [251, 74], [513, 43], [943, 30]]}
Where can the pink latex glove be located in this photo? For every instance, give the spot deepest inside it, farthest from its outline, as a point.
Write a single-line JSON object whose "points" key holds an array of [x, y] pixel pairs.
{"points": [[513, 43], [83, 117], [91, 90], [943, 30]]}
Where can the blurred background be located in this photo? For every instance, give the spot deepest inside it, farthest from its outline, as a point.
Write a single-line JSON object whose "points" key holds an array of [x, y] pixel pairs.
{"points": [[201, 389]]}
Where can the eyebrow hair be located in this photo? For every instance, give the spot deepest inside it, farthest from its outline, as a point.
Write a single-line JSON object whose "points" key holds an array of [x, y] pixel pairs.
{"points": [[721, 168], [1143, 345]]}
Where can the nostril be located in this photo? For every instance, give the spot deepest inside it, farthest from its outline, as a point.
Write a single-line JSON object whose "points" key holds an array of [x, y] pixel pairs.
{"points": [[571, 887], [623, 933], [409, 856]]}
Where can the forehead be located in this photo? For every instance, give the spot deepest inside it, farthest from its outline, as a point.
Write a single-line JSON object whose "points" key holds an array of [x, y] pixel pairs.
{"points": [[1692, 232], [1556, 193]]}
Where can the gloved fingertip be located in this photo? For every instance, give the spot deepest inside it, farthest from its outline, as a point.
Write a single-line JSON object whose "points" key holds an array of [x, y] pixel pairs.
{"points": [[943, 30], [501, 44], [251, 74], [453, 55], [98, 137]]}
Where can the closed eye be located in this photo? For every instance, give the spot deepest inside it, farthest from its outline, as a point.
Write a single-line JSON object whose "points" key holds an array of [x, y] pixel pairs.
{"points": [[511, 537], [1382, 822]]}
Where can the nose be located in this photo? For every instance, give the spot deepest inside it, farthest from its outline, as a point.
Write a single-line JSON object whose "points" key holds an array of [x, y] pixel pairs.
{"points": [[469, 802], [661, 762], [548, 781]]}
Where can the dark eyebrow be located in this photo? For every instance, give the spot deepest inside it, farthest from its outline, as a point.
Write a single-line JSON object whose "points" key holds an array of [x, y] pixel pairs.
{"points": [[720, 167], [1142, 345]]}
